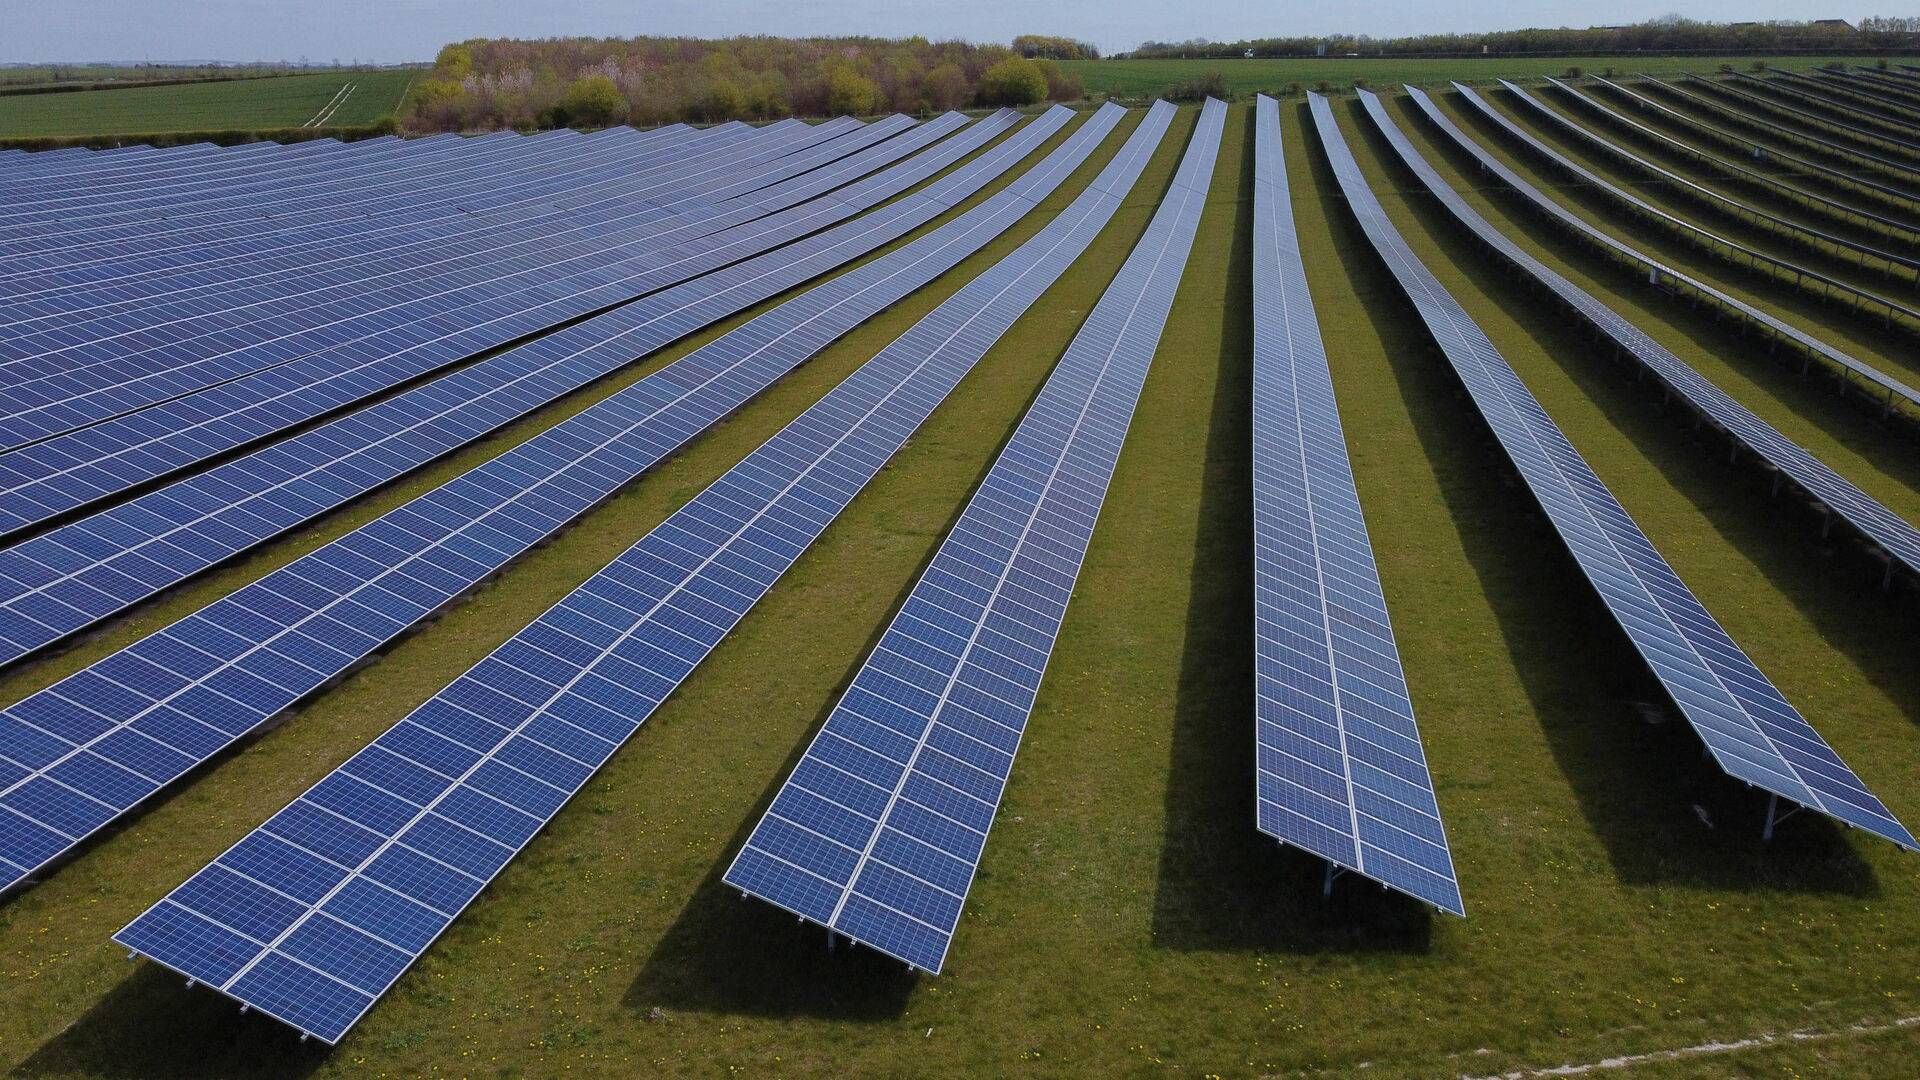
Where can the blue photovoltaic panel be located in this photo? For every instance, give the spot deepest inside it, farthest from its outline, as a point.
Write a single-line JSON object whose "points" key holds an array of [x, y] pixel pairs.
{"points": [[71, 471], [500, 184], [496, 172], [1886, 530], [440, 803], [561, 269], [1747, 725], [1719, 164], [80, 753], [1802, 166], [1799, 134], [1893, 387], [1841, 94], [605, 189], [70, 577], [878, 831], [1340, 768], [1674, 181], [1802, 108]]}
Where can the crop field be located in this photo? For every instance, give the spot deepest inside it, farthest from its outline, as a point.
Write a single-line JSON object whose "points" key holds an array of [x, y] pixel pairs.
{"points": [[282, 102], [1625, 915], [1140, 79]]}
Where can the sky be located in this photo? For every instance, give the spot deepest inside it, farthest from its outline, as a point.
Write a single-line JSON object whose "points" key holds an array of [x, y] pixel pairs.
{"points": [[393, 31]]}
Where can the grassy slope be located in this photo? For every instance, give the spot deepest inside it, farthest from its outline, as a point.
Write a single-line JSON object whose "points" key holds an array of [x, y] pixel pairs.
{"points": [[254, 103], [1127, 919], [1144, 78]]}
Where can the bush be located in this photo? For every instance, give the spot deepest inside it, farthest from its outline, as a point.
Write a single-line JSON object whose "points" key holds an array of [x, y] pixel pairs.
{"points": [[1013, 81], [1292, 89], [455, 62], [1611, 73], [725, 101], [592, 101], [1060, 85], [1759, 65], [850, 93], [1726, 69], [1199, 88], [1572, 72], [947, 87]]}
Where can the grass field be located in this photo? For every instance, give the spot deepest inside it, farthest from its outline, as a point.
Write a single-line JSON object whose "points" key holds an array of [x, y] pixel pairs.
{"points": [[284, 102], [1127, 919], [1146, 78]]}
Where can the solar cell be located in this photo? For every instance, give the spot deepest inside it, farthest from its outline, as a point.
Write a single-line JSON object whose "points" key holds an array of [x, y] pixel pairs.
{"points": [[217, 675], [69, 577], [599, 186], [569, 268], [877, 833], [1729, 168], [1849, 98], [1773, 93], [444, 799], [41, 481], [1340, 768], [1800, 134], [1886, 530], [1700, 192], [1895, 390], [1759, 150], [1748, 727], [69, 278]]}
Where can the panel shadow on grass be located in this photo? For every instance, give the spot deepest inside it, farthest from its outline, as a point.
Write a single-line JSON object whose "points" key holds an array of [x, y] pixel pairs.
{"points": [[1222, 884], [1665, 813], [150, 1025]]}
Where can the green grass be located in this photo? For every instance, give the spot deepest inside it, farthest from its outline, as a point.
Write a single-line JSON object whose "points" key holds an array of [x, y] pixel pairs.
{"points": [[285, 102], [1127, 919], [1147, 78]]}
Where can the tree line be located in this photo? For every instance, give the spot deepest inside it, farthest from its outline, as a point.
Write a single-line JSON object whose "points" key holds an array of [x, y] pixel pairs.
{"points": [[1671, 34], [593, 82]]}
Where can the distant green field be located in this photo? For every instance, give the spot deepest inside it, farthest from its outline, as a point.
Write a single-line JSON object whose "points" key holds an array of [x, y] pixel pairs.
{"points": [[1145, 78], [252, 103]]}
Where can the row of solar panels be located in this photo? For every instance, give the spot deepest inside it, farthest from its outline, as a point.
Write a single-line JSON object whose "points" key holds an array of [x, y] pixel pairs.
{"points": [[877, 832]]}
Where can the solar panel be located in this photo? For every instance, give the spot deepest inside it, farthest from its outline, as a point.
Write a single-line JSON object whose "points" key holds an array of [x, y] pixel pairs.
{"points": [[1340, 768], [1894, 389], [78, 754], [1844, 95], [440, 803], [96, 278], [1803, 106], [1800, 134], [1700, 192], [68, 472], [877, 833], [565, 266], [70, 577], [1759, 150], [1886, 530], [453, 161], [1729, 168], [1748, 727], [598, 188]]}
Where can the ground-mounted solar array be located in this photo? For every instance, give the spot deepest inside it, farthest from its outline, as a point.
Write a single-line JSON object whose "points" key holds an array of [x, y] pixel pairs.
{"points": [[464, 597]]}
